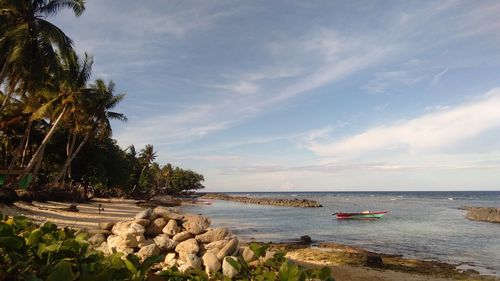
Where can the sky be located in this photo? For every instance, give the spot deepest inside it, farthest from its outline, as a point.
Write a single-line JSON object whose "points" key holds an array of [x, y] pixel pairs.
{"points": [[306, 95]]}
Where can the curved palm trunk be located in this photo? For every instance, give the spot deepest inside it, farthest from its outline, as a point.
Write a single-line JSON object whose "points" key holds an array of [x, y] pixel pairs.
{"points": [[70, 159], [39, 152]]}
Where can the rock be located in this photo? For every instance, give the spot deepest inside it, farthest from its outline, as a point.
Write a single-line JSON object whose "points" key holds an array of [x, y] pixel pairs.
{"points": [[196, 224], [487, 214], [156, 227], [228, 249], [105, 249], [248, 255], [145, 243], [227, 269], [148, 251], [305, 239], [302, 203], [269, 255], [185, 268], [97, 239], [143, 222], [189, 246], [169, 258], [121, 228], [211, 263], [166, 213], [181, 236], [71, 208], [164, 242], [136, 228], [213, 234], [216, 244], [106, 225], [171, 228], [118, 244], [213, 250], [374, 261], [144, 214], [194, 261]]}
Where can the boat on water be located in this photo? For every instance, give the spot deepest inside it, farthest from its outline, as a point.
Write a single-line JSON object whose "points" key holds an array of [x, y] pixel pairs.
{"points": [[365, 215]]}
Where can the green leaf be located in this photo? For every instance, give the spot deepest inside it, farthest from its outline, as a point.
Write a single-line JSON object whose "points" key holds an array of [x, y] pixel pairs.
{"points": [[258, 250], [34, 237], [6, 230], [11, 243], [290, 272], [234, 263], [62, 271], [325, 273]]}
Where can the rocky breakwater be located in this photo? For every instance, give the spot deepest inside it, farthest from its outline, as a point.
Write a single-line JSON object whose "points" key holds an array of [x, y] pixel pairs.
{"points": [[487, 214], [301, 203], [186, 241]]}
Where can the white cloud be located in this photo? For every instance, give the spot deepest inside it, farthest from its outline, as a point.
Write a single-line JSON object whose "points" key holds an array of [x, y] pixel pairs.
{"points": [[429, 132], [439, 75]]}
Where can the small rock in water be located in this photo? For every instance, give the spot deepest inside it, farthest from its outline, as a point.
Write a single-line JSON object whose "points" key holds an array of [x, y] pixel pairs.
{"points": [[305, 239], [374, 261]]}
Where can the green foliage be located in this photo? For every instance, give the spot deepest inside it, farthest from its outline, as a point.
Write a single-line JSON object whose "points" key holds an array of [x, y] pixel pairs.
{"points": [[31, 252]]}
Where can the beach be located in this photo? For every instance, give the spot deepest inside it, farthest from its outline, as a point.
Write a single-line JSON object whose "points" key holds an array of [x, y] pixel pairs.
{"points": [[347, 263]]}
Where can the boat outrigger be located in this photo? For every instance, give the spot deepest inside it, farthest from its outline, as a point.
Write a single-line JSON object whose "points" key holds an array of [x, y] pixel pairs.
{"points": [[365, 215]]}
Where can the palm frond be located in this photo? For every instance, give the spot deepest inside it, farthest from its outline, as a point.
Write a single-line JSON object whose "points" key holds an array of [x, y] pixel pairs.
{"points": [[54, 6]]}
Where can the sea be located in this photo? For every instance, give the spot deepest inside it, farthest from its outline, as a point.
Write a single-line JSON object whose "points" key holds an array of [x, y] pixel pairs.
{"points": [[422, 225]]}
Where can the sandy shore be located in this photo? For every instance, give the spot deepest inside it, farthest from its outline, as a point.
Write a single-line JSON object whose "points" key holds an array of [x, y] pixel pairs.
{"points": [[346, 262]]}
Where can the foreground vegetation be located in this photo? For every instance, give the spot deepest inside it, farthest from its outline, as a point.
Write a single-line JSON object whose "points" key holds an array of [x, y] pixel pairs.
{"points": [[55, 123], [32, 252]]}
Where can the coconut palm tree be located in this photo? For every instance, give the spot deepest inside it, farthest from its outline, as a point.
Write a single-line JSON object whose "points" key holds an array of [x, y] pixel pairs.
{"points": [[100, 100], [29, 43]]}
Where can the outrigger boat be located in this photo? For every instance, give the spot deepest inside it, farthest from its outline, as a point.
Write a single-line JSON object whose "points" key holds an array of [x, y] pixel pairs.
{"points": [[365, 215]]}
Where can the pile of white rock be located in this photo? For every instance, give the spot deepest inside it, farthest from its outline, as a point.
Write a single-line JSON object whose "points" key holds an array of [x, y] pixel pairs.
{"points": [[187, 241]]}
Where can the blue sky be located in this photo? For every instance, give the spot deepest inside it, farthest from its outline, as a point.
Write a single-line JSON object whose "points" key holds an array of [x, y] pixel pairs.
{"points": [[297, 95]]}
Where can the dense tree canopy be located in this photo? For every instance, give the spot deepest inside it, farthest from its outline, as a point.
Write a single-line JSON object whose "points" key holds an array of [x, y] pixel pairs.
{"points": [[55, 130]]}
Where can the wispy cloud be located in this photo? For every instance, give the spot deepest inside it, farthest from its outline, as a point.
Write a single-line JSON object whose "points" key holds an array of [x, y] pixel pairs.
{"points": [[428, 132]]}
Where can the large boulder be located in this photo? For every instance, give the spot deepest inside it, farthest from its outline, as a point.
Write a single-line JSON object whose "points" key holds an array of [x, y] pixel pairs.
{"points": [[196, 224], [228, 249], [211, 263], [213, 234], [148, 251], [181, 236], [118, 244], [171, 228], [216, 244], [166, 213], [156, 226], [227, 269], [125, 228], [164, 242], [144, 214], [194, 261], [106, 225], [97, 239], [189, 246], [143, 222]]}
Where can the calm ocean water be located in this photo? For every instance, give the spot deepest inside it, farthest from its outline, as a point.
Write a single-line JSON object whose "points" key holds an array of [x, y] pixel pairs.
{"points": [[424, 225]]}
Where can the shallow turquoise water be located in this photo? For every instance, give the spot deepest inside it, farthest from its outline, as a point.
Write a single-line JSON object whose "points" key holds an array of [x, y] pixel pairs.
{"points": [[425, 225]]}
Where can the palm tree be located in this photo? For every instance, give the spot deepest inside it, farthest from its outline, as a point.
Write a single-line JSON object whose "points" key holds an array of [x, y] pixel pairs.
{"points": [[100, 102], [29, 43]]}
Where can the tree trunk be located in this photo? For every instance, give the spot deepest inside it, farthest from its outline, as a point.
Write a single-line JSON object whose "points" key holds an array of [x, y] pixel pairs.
{"points": [[41, 148], [70, 159], [25, 150]]}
